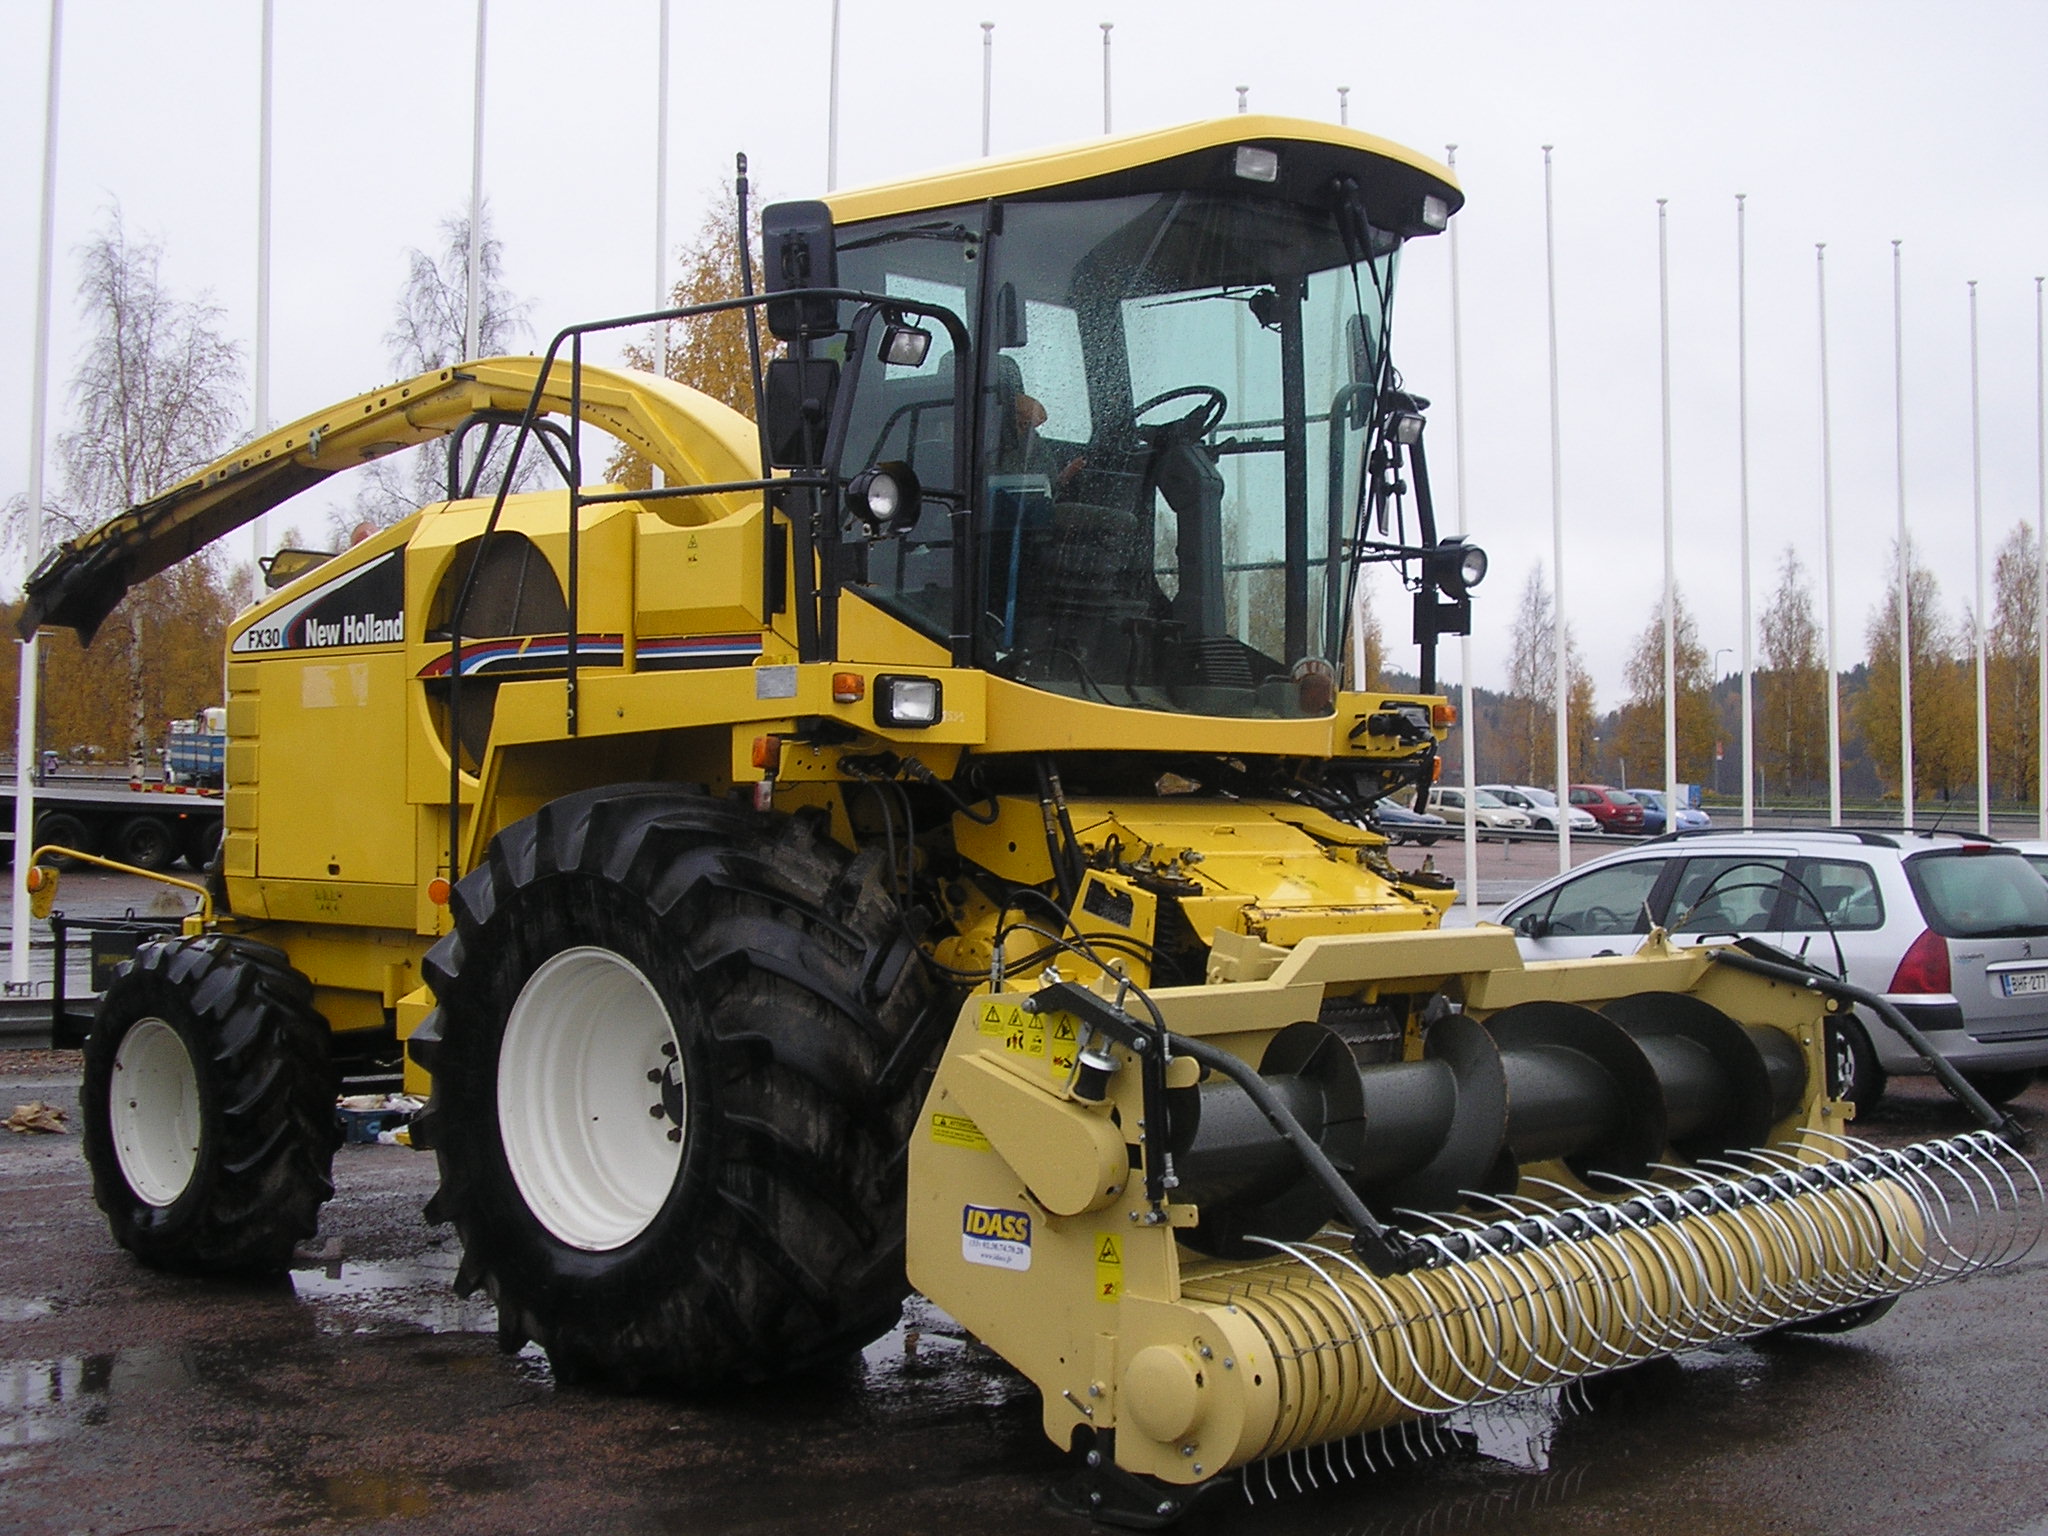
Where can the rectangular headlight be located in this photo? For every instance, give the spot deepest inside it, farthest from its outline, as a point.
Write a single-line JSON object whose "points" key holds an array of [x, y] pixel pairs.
{"points": [[907, 702], [1255, 164], [1436, 213]]}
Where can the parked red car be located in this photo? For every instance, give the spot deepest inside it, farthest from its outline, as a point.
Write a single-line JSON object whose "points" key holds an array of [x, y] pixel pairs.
{"points": [[1615, 809]]}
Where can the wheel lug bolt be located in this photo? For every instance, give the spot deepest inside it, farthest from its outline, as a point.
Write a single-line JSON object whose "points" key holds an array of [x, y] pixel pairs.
{"points": [[654, 1110], [654, 1074], [675, 1133]]}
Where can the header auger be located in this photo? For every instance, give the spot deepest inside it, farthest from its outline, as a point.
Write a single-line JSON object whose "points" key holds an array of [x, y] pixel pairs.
{"points": [[968, 767]]}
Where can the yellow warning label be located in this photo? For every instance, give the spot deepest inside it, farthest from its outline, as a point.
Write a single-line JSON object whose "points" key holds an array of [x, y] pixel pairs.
{"points": [[958, 1131], [1109, 1267], [1022, 1033], [1062, 1036]]}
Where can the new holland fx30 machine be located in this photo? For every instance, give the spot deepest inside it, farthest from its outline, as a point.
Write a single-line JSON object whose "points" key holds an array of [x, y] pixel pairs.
{"points": [[924, 841]]}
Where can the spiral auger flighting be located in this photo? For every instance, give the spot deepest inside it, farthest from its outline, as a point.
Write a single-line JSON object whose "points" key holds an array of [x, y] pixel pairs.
{"points": [[1231, 1248]]}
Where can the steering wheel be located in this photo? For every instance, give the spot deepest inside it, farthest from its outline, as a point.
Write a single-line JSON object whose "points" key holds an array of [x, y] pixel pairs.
{"points": [[1211, 417], [1603, 920]]}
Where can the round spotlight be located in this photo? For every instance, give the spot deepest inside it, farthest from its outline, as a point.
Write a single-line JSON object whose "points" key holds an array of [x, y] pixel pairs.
{"points": [[1458, 566], [885, 498]]}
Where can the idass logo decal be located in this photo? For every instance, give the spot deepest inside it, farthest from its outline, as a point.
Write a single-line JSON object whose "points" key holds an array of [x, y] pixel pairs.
{"points": [[996, 1237]]}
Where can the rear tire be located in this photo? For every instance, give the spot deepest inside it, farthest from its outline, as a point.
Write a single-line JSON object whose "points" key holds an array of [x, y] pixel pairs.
{"points": [[677, 1056], [66, 831], [146, 842], [2001, 1087], [208, 1107], [1854, 1074]]}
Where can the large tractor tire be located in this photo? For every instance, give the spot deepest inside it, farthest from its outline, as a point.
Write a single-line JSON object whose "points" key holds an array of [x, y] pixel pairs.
{"points": [[678, 1052], [208, 1107]]}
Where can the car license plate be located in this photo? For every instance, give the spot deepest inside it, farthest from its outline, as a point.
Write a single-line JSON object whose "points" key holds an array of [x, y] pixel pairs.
{"points": [[2024, 983]]}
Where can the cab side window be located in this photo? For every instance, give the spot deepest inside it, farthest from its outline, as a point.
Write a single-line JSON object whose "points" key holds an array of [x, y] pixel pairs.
{"points": [[1600, 903]]}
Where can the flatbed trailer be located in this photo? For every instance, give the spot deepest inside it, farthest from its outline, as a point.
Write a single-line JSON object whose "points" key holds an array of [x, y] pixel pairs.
{"points": [[150, 826]]}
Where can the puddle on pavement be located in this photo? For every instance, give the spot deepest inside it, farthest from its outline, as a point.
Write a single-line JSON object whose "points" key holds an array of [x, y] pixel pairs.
{"points": [[373, 1296], [43, 1400], [928, 1361]]}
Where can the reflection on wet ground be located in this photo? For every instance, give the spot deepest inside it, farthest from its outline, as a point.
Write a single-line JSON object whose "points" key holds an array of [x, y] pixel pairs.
{"points": [[361, 1394]]}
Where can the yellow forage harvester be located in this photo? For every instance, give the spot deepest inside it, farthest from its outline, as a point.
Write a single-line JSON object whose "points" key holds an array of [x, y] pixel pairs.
{"points": [[927, 835]]}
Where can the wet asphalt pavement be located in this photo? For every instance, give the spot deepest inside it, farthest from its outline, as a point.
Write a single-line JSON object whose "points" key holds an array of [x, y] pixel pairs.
{"points": [[361, 1395]]}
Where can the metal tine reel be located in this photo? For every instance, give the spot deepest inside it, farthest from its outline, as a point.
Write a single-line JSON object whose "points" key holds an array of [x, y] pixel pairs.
{"points": [[1989, 1162]]}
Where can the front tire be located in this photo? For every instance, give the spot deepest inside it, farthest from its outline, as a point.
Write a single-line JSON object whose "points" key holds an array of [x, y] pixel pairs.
{"points": [[677, 1056], [208, 1107]]}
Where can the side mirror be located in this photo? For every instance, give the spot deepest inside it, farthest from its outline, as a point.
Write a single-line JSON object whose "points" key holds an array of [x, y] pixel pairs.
{"points": [[1532, 925], [796, 404], [1013, 326], [799, 251]]}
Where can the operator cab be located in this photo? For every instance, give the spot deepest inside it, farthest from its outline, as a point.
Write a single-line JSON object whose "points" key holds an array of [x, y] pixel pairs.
{"points": [[1176, 431]]}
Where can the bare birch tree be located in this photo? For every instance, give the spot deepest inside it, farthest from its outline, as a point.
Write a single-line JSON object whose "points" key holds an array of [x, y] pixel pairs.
{"points": [[2012, 665], [427, 331], [157, 394], [1529, 736]]}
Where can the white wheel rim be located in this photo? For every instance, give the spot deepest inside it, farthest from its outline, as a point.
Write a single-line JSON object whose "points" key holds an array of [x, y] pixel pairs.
{"points": [[153, 1109], [590, 1098]]}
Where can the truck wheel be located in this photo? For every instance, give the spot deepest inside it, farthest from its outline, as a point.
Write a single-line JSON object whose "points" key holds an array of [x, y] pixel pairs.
{"points": [[208, 1107], [202, 842], [146, 842], [678, 1053], [66, 831]]}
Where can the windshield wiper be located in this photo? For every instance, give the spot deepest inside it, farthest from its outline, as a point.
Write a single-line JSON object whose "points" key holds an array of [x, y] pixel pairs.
{"points": [[958, 234]]}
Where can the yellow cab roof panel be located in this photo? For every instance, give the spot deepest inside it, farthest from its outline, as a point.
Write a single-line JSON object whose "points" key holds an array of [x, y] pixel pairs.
{"points": [[1382, 167]]}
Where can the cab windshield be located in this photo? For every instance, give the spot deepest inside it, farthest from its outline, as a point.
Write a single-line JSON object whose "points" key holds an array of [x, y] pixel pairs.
{"points": [[1176, 390], [1176, 399]]}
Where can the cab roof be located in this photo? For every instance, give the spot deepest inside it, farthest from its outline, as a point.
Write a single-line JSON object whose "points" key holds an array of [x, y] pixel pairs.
{"points": [[1392, 178]]}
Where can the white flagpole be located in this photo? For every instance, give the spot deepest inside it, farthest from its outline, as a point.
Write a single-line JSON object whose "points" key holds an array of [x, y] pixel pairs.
{"points": [[472, 318], [1243, 98], [1827, 530], [1465, 709], [662, 297], [1344, 107], [25, 727], [1107, 28], [1670, 574], [1742, 461], [988, 77], [2041, 546], [661, 285], [832, 109], [1977, 619], [1561, 684], [1905, 549], [261, 402]]}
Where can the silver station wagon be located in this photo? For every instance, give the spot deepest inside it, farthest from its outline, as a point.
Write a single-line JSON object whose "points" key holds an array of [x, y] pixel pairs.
{"points": [[1952, 929]]}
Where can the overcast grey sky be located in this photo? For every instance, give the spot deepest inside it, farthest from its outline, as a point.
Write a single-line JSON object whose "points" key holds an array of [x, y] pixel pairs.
{"points": [[1855, 124]]}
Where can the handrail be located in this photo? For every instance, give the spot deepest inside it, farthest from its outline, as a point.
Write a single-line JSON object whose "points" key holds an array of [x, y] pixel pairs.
{"points": [[529, 419], [36, 866]]}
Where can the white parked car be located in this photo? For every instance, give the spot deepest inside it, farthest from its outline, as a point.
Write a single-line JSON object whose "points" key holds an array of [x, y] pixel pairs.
{"points": [[1487, 812], [1952, 929], [1540, 806]]}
